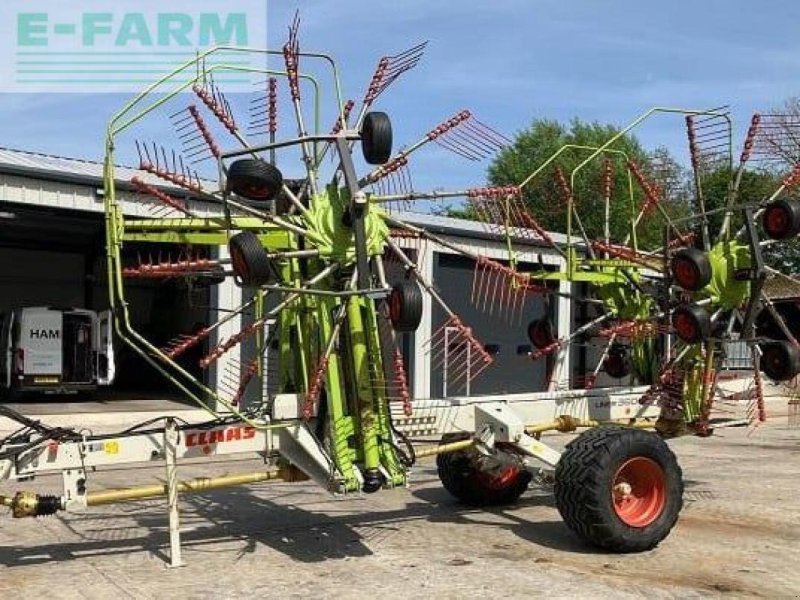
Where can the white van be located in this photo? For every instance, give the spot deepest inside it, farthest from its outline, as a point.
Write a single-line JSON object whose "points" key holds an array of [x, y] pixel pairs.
{"points": [[55, 350]]}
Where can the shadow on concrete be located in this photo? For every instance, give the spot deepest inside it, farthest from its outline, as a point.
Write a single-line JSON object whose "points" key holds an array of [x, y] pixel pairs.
{"points": [[550, 534], [238, 521]]}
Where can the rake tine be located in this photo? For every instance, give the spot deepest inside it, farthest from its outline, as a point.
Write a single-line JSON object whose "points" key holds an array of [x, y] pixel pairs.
{"points": [[491, 134], [475, 273], [496, 282], [498, 138], [456, 149], [388, 70], [488, 285], [413, 51], [467, 136], [523, 297]]}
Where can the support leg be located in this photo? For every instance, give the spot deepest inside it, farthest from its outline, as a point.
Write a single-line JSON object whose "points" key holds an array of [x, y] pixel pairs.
{"points": [[171, 439]]}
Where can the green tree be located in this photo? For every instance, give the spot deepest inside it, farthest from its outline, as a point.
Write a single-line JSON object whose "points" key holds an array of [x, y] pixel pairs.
{"points": [[755, 186], [780, 143], [544, 195]]}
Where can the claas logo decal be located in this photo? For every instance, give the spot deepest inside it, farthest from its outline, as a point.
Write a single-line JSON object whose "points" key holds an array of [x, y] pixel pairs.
{"points": [[219, 436]]}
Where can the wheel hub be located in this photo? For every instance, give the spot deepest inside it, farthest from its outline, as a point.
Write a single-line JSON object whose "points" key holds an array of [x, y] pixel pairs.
{"points": [[622, 491], [639, 492], [498, 478]]}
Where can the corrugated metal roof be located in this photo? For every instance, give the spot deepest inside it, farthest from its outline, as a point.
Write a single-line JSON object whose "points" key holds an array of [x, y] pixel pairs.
{"points": [[469, 228], [73, 170]]}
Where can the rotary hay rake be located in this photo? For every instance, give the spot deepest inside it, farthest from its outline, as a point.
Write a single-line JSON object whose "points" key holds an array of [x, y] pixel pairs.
{"points": [[333, 286]]}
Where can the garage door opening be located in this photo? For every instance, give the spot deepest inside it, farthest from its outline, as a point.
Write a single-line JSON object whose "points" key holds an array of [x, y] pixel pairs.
{"points": [[56, 258]]}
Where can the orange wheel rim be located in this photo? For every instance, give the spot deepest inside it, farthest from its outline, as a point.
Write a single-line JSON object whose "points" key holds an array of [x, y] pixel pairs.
{"points": [[498, 480], [259, 191], [776, 221], [395, 306], [685, 274], [638, 491], [239, 263], [685, 327]]}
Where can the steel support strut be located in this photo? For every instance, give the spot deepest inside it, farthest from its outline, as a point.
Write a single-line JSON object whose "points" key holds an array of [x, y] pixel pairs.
{"points": [[172, 437]]}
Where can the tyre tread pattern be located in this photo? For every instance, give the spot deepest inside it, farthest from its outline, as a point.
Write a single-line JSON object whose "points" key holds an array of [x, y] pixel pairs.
{"points": [[583, 494]]}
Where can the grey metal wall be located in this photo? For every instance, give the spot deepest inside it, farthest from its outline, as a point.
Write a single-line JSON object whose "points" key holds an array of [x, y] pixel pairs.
{"points": [[509, 373]]}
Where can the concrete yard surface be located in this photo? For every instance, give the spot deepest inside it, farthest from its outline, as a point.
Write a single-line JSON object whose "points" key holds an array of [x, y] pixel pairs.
{"points": [[739, 536]]}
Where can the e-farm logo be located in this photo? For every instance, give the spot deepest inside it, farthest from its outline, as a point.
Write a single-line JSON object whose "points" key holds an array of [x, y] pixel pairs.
{"points": [[123, 45], [164, 30]]}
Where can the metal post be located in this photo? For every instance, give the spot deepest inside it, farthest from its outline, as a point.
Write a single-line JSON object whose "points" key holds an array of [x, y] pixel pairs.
{"points": [[469, 367], [561, 368], [171, 441], [446, 360], [226, 296], [421, 359]]}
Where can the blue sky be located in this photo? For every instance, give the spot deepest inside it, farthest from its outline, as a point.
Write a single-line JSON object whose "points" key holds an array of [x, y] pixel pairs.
{"points": [[509, 61]]}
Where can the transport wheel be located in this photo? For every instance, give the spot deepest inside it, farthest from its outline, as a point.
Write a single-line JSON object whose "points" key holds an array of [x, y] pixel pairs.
{"points": [[214, 276], [461, 476], [376, 138], [781, 219], [254, 179], [692, 323], [780, 360], [620, 489], [691, 269], [251, 264], [405, 306], [540, 333]]}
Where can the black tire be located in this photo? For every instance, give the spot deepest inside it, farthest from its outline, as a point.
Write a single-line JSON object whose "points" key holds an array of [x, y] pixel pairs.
{"points": [[405, 306], [617, 364], [540, 333], [780, 360], [692, 323], [691, 269], [781, 219], [460, 477], [254, 179], [251, 264], [586, 488], [767, 325], [376, 138]]}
